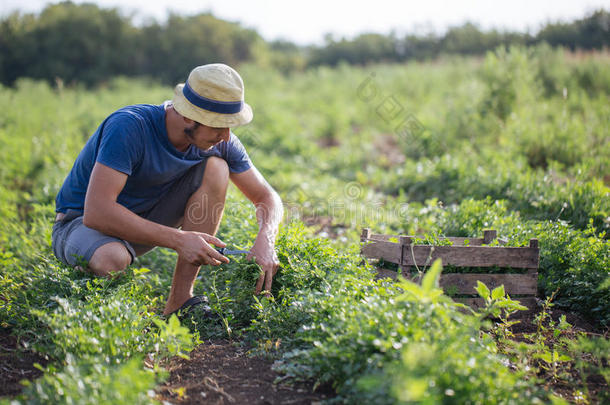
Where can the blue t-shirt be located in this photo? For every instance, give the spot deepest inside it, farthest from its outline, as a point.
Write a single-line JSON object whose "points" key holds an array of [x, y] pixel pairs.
{"points": [[134, 140]]}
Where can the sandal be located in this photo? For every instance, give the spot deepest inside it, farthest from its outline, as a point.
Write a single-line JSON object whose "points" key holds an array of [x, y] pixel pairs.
{"points": [[188, 308]]}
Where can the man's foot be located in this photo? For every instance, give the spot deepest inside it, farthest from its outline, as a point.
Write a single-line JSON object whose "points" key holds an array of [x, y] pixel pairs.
{"points": [[194, 305]]}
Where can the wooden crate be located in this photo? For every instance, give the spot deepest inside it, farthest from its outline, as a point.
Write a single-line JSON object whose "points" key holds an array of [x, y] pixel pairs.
{"points": [[408, 256]]}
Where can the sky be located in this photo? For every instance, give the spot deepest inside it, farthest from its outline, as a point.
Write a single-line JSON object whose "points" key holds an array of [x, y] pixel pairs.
{"points": [[308, 21]]}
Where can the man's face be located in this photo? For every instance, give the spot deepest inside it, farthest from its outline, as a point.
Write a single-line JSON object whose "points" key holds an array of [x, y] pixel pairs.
{"points": [[205, 137]]}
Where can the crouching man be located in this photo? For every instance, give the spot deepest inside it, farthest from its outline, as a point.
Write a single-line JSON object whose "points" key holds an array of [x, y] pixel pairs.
{"points": [[157, 175]]}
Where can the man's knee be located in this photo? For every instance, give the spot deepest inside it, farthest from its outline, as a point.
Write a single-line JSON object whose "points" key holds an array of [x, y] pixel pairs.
{"points": [[109, 258], [207, 204], [216, 172]]}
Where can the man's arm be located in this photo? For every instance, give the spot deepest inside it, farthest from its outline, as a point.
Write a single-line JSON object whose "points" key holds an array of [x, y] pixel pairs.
{"points": [[103, 213], [269, 213]]}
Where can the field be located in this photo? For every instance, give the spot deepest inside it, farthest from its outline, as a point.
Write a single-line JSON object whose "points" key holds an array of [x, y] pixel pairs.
{"points": [[518, 141]]}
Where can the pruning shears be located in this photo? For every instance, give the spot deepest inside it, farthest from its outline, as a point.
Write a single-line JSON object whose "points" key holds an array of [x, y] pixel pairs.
{"points": [[224, 251]]}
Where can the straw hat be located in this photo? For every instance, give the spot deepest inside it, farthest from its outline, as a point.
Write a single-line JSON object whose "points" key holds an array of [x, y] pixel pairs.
{"points": [[213, 95]]}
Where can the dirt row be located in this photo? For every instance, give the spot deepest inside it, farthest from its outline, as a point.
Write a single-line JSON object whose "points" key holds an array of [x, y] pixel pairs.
{"points": [[16, 364], [221, 372]]}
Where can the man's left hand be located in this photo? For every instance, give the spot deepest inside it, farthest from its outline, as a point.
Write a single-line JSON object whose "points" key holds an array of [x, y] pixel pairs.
{"points": [[264, 254]]}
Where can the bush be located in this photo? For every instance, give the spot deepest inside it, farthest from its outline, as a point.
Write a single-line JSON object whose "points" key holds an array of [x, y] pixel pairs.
{"points": [[94, 384], [534, 194]]}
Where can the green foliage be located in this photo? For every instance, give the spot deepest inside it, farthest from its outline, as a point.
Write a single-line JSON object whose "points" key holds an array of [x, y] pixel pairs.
{"points": [[76, 42], [84, 43], [111, 326], [230, 290], [590, 32], [586, 33], [174, 337], [509, 81], [528, 160], [498, 303], [556, 352], [592, 358], [577, 264], [443, 373], [84, 383], [169, 51], [432, 238], [534, 194]]}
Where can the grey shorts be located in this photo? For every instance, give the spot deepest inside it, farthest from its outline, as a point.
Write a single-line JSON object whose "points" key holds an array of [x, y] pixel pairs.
{"points": [[74, 243]]}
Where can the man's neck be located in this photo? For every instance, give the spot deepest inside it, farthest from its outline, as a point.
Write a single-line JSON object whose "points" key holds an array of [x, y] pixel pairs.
{"points": [[175, 129]]}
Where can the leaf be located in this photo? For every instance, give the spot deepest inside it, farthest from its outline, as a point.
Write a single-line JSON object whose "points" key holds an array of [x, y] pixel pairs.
{"points": [[174, 322], [511, 305], [482, 290], [555, 400], [432, 276], [546, 356], [141, 270], [560, 357], [498, 293], [411, 290]]}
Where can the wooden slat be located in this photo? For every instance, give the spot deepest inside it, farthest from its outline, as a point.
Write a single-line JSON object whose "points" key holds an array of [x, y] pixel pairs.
{"points": [[381, 237], [475, 303], [489, 235], [464, 283], [522, 284], [387, 251], [472, 256]]}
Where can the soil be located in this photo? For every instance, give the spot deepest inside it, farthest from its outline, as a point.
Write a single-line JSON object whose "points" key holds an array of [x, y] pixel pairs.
{"points": [[220, 372], [389, 151], [526, 321], [16, 364], [328, 142]]}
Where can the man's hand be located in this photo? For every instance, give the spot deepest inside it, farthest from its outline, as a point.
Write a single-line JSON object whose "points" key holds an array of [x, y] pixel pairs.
{"points": [[269, 212], [264, 254], [195, 248]]}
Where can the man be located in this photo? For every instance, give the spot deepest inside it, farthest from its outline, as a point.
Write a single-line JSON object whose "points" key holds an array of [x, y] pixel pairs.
{"points": [[157, 175]]}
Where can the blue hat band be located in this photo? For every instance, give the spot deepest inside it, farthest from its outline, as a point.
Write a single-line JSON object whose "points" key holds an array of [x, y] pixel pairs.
{"points": [[221, 107]]}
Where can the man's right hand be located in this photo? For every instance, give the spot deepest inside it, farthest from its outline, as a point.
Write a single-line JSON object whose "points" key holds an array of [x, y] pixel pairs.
{"points": [[194, 247]]}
